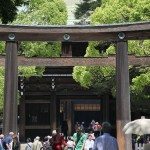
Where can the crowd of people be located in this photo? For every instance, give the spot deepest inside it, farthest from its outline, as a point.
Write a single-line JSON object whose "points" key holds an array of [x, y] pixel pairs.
{"points": [[98, 138], [9, 142]]}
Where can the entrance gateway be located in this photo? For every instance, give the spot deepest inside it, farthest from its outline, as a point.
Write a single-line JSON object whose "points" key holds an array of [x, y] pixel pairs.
{"points": [[118, 32]]}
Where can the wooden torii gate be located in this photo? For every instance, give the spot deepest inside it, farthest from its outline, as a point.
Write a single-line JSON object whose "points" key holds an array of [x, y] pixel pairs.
{"points": [[120, 33]]}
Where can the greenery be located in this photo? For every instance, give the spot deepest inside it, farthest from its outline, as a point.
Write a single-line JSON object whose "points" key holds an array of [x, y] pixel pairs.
{"points": [[1, 88], [85, 8], [8, 9], [35, 12], [111, 12]]}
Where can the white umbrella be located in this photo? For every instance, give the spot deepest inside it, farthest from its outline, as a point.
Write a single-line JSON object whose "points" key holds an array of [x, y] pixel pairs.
{"points": [[139, 127]]}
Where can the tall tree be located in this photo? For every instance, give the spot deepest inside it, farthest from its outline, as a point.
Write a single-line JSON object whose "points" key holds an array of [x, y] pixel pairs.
{"points": [[8, 9], [114, 11], [85, 8], [37, 12]]}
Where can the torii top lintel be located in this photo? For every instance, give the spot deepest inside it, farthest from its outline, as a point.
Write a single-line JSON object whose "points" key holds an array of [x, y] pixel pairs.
{"points": [[132, 31]]}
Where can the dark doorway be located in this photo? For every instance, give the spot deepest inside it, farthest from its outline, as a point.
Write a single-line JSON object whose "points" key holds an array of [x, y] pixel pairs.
{"points": [[87, 117]]}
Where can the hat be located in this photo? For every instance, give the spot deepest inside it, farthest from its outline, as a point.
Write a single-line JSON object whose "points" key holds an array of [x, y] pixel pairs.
{"points": [[37, 138], [54, 132], [49, 137], [96, 123]]}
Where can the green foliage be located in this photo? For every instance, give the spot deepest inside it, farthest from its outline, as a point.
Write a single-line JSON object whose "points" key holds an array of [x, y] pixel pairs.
{"points": [[141, 85], [8, 9], [41, 49], [45, 12], [2, 47], [31, 71], [110, 12], [42, 12], [91, 51], [1, 88], [140, 48], [85, 8], [99, 78], [119, 11], [82, 75]]}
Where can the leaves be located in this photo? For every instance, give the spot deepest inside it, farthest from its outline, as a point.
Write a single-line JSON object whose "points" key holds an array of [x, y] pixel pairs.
{"points": [[111, 12]]}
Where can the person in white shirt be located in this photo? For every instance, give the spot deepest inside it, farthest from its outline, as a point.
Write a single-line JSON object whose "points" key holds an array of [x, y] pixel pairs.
{"points": [[89, 143], [70, 144], [37, 145]]}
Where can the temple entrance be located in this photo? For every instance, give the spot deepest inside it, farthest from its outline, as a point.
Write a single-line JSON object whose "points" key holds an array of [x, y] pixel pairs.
{"points": [[82, 110]]}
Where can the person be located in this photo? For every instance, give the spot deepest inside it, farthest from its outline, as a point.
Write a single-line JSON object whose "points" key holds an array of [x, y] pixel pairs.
{"points": [[8, 141], [57, 141], [64, 128], [106, 141], [1, 139], [37, 145], [70, 144], [16, 143], [46, 143], [29, 144], [97, 129], [79, 138], [89, 143]]}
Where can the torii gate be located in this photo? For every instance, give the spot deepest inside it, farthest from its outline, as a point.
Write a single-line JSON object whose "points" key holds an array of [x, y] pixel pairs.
{"points": [[117, 32]]}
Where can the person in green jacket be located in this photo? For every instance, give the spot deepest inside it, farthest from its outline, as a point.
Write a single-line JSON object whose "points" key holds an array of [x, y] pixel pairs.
{"points": [[79, 138]]}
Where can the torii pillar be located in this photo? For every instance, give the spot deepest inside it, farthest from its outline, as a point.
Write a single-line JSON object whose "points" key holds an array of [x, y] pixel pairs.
{"points": [[10, 88], [123, 114]]}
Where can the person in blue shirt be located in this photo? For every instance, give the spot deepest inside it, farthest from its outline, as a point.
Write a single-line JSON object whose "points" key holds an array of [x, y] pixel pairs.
{"points": [[106, 141], [8, 141]]}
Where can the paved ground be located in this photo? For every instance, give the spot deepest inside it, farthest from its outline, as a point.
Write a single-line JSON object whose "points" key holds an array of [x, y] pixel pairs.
{"points": [[22, 146]]}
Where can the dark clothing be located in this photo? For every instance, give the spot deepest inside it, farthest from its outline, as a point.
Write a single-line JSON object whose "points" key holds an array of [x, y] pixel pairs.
{"points": [[64, 128], [16, 146]]}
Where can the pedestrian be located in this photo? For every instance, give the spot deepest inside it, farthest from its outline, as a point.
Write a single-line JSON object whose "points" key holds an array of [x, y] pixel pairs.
{"points": [[37, 145], [64, 128], [57, 141], [46, 143], [29, 144], [79, 138], [89, 143], [8, 141], [106, 141], [70, 144], [16, 143], [1, 139]]}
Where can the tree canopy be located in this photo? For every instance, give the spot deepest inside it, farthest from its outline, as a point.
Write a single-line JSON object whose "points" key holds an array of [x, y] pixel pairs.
{"points": [[36, 12], [8, 9], [99, 78], [85, 8]]}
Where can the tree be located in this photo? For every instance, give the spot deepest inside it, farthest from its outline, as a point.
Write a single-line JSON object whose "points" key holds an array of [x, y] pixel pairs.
{"points": [[37, 12], [114, 11], [8, 9], [85, 8]]}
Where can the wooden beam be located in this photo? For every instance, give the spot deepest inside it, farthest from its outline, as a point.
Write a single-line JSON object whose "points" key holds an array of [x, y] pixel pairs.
{"points": [[123, 114], [86, 61], [133, 31], [11, 87]]}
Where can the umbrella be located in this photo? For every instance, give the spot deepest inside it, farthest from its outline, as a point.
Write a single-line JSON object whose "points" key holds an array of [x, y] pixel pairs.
{"points": [[139, 127]]}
